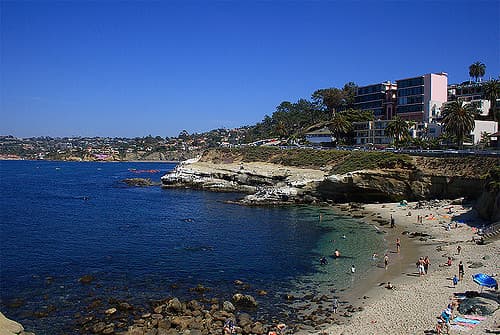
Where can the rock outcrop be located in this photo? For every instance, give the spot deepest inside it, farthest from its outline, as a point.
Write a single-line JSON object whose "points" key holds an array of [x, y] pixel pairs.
{"points": [[269, 184]]}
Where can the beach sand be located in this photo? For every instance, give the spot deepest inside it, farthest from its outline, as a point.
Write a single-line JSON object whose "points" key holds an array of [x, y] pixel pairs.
{"points": [[413, 306]]}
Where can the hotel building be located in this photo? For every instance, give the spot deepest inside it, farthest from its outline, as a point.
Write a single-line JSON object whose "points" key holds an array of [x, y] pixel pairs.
{"points": [[379, 98], [420, 98]]}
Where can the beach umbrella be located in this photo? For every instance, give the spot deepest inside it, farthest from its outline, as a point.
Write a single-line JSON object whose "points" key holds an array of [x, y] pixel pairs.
{"points": [[484, 280]]}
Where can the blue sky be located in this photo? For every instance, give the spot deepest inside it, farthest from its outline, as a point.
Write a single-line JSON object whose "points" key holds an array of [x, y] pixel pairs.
{"points": [[129, 69]]}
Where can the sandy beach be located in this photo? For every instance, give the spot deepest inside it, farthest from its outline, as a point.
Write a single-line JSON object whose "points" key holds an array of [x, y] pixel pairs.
{"points": [[414, 304]]}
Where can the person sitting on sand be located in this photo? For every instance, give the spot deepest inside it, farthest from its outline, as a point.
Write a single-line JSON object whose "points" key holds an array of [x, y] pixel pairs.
{"points": [[389, 286], [336, 253], [448, 262]]}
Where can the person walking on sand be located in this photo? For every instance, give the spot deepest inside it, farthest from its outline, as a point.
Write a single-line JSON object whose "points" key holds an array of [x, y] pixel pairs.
{"points": [[392, 222], [386, 261], [455, 280], [459, 248], [398, 245], [461, 271]]}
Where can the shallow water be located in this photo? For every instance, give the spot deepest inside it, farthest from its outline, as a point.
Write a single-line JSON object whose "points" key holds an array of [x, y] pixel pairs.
{"points": [[62, 220]]}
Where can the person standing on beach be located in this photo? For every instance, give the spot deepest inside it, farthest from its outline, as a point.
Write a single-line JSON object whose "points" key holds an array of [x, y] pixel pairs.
{"points": [[460, 271], [386, 261], [392, 222], [398, 244], [427, 262], [459, 248], [455, 280], [335, 305]]}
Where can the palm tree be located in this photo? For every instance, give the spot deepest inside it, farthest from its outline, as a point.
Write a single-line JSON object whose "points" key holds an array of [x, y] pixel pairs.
{"points": [[492, 92], [339, 125], [398, 129], [458, 119], [477, 70]]}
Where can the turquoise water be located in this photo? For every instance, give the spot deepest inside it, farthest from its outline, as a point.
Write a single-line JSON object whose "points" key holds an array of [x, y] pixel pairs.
{"points": [[62, 220]]}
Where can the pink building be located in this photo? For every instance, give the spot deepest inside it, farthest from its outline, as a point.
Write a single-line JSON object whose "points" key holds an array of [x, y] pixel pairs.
{"points": [[420, 98]]}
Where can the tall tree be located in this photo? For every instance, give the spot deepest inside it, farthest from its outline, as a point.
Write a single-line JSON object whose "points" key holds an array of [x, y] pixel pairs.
{"points": [[398, 129], [458, 119], [492, 92], [339, 126], [330, 99], [350, 89], [477, 70]]}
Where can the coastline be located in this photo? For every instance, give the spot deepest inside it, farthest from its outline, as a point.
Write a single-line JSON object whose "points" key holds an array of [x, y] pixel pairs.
{"points": [[414, 304]]}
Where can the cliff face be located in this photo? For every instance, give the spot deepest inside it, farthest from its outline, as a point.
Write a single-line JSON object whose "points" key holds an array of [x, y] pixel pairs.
{"points": [[267, 183]]}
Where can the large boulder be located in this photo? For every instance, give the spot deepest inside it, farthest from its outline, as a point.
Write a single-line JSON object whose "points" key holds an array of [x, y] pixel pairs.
{"points": [[174, 305], [244, 300]]}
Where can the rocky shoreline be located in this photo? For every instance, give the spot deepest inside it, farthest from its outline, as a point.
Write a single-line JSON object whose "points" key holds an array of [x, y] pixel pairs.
{"points": [[273, 184]]}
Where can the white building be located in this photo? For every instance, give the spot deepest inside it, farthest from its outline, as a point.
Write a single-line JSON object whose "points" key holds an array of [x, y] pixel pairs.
{"points": [[323, 135], [480, 127]]}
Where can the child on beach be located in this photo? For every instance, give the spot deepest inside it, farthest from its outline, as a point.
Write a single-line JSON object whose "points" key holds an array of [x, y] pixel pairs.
{"points": [[455, 280]]}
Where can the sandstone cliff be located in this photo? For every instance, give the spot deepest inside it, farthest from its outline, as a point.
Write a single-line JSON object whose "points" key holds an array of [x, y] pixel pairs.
{"points": [[275, 176]]}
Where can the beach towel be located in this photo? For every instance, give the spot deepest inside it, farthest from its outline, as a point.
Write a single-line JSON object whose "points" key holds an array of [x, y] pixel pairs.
{"points": [[475, 317], [468, 325], [465, 320]]}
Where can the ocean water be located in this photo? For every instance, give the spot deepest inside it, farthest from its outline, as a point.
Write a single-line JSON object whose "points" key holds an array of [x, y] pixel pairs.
{"points": [[60, 221]]}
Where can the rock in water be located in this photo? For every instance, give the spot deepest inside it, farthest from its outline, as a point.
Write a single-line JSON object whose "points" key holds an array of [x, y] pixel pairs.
{"points": [[244, 300]]}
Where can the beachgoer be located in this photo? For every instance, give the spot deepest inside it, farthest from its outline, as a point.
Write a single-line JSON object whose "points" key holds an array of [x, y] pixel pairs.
{"points": [[409, 213], [460, 271], [439, 327], [335, 305], [446, 316], [389, 286], [459, 248], [374, 256], [281, 328], [344, 237], [448, 262], [229, 327], [336, 253], [392, 222], [323, 260], [455, 280], [427, 262], [353, 269], [386, 261], [420, 266], [398, 245]]}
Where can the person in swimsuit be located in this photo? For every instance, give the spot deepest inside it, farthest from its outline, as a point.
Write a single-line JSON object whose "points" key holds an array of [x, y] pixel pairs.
{"points": [[398, 245], [386, 261]]}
